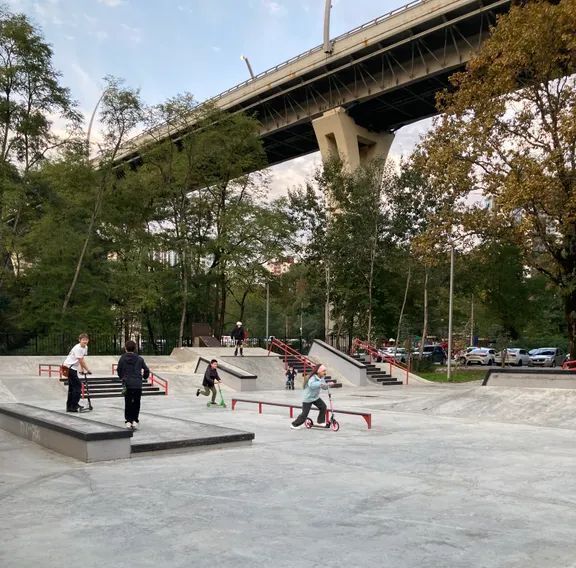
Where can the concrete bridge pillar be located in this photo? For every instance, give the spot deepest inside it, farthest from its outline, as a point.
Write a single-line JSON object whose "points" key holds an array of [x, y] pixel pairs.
{"points": [[339, 135]]}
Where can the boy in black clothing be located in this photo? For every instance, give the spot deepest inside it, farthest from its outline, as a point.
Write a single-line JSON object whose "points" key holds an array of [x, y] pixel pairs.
{"points": [[210, 378], [290, 376], [132, 370]]}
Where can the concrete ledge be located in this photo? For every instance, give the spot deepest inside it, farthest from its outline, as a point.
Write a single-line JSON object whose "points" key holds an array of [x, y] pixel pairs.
{"points": [[70, 435], [530, 378], [235, 378], [347, 366]]}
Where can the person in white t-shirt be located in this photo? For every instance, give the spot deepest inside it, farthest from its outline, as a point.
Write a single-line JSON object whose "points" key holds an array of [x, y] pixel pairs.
{"points": [[76, 362]]}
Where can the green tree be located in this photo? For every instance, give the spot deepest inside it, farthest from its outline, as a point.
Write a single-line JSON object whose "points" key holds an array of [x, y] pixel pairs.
{"points": [[508, 128]]}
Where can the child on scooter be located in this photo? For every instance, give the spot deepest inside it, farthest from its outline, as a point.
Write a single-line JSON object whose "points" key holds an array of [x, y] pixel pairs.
{"points": [[210, 378], [290, 376], [311, 397]]}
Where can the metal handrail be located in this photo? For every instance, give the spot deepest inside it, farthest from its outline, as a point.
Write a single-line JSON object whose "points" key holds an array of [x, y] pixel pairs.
{"points": [[373, 352], [287, 350]]}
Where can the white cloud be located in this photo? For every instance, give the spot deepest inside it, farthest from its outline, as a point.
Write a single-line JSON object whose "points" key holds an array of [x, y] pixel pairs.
{"points": [[292, 174], [216, 48], [132, 34], [100, 35], [111, 3], [273, 8]]}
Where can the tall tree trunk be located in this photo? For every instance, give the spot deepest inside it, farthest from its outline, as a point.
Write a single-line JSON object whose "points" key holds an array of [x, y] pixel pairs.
{"points": [[184, 298], [223, 294], [425, 324], [403, 305], [570, 314]]}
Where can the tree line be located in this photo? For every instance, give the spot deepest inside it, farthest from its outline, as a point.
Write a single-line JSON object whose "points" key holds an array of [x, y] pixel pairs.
{"points": [[186, 233]]}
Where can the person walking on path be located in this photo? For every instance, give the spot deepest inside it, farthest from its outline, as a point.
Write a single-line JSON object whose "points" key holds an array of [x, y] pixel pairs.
{"points": [[290, 377], [311, 397], [211, 377], [132, 369], [238, 334], [75, 362]]}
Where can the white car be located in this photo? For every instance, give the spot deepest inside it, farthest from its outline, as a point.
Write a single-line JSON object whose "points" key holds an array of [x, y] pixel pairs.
{"points": [[547, 357], [515, 356], [481, 356]]}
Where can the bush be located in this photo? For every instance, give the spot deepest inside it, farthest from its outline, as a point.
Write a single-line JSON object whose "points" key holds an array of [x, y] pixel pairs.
{"points": [[422, 365]]}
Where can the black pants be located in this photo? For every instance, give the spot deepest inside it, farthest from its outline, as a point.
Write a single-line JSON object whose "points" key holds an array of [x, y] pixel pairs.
{"points": [[74, 390], [306, 406], [132, 404], [239, 345]]}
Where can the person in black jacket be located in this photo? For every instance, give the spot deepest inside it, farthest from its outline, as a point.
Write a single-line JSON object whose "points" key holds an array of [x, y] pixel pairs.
{"points": [[238, 334], [210, 378], [132, 370]]}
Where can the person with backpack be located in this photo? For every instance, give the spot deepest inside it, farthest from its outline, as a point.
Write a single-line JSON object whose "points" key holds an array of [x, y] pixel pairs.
{"points": [[211, 377], [290, 377], [238, 334], [73, 363], [132, 370], [311, 397]]}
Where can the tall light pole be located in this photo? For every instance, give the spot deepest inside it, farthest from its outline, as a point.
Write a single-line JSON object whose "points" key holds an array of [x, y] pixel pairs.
{"points": [[327, 43], [245, 59], [267, 311], [89, 132], [449, 368]]}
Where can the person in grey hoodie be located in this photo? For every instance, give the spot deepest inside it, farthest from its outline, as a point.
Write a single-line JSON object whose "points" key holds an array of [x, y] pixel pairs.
{"points": [[132, 370], [311, 397]]}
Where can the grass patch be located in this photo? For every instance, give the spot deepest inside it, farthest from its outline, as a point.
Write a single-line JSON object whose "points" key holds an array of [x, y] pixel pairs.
{"points": [[457, 376]]}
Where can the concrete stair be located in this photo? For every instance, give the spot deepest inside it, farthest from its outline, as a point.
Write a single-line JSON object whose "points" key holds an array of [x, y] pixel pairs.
{"points": [[375, 374], [299, 366], [111, 387]]}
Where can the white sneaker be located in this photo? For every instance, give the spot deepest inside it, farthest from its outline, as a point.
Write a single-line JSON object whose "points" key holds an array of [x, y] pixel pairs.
{"points": [[128, 425], [296, 427]]}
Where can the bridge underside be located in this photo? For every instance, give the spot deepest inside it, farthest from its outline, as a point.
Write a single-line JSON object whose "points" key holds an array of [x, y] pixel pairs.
{"points": [[382, 84], [387, 112]]}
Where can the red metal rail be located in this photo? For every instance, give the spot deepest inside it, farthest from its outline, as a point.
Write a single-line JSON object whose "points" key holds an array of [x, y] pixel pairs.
{"points": [[373, 353], [49, 369], [162, 383], [288, 351]]}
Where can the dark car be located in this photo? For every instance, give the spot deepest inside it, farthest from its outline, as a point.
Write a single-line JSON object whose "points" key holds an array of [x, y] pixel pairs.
{"points": [[434, 353]]}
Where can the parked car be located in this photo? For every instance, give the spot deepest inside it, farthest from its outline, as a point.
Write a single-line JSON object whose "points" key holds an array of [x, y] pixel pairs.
{"points": [[433, 352], [547, 357], [514, 356], [398, 353], [461, 355], [481, 356]]}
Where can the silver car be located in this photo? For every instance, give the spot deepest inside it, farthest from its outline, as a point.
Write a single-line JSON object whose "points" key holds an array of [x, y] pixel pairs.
{"points": [[547, 357]]}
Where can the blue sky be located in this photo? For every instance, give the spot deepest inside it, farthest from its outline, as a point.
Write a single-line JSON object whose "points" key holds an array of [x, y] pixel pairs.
{"points": [[166, 47]]}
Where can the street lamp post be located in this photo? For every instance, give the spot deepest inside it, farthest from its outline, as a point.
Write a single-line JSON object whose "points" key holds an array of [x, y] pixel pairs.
{"points": [[89, 133], [449, 367], [245, 59], [267, 311], [327, 43]]}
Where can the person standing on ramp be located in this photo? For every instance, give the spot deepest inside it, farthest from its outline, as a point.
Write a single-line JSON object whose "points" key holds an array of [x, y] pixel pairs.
{"points": [[238, 334], [132, 370], [75, 362]]}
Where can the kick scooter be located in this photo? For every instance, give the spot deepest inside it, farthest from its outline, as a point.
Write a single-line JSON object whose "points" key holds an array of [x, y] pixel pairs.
{"points": [[331, 423], [221, 403], [87, 395]]}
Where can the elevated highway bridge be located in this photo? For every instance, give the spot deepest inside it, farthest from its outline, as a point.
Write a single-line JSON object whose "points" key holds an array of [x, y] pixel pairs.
{"points": [[378, 78]]}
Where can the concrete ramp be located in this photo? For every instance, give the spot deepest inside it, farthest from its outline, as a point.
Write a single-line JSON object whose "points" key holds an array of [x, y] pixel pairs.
{"points": [[269, 370], [24, 389], [531, 378], [541, 407]]}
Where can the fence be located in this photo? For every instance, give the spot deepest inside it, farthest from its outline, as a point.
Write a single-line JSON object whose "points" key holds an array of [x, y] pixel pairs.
{"points": [[112, 344]]}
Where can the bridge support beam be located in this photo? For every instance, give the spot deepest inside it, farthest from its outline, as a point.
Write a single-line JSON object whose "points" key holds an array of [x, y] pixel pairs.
{"points": [[339, 135]]}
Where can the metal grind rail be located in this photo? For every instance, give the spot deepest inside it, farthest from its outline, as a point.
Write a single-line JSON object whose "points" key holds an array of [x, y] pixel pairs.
{"points": [[290, 352]]}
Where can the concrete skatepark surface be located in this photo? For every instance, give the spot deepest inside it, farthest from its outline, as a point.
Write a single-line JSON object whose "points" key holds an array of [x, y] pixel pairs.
{"points": [[449, 476]]}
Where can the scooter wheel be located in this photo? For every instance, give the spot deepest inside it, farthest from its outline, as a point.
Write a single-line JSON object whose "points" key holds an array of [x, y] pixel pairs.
{"points": [[334, 426], [308, 423]]}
